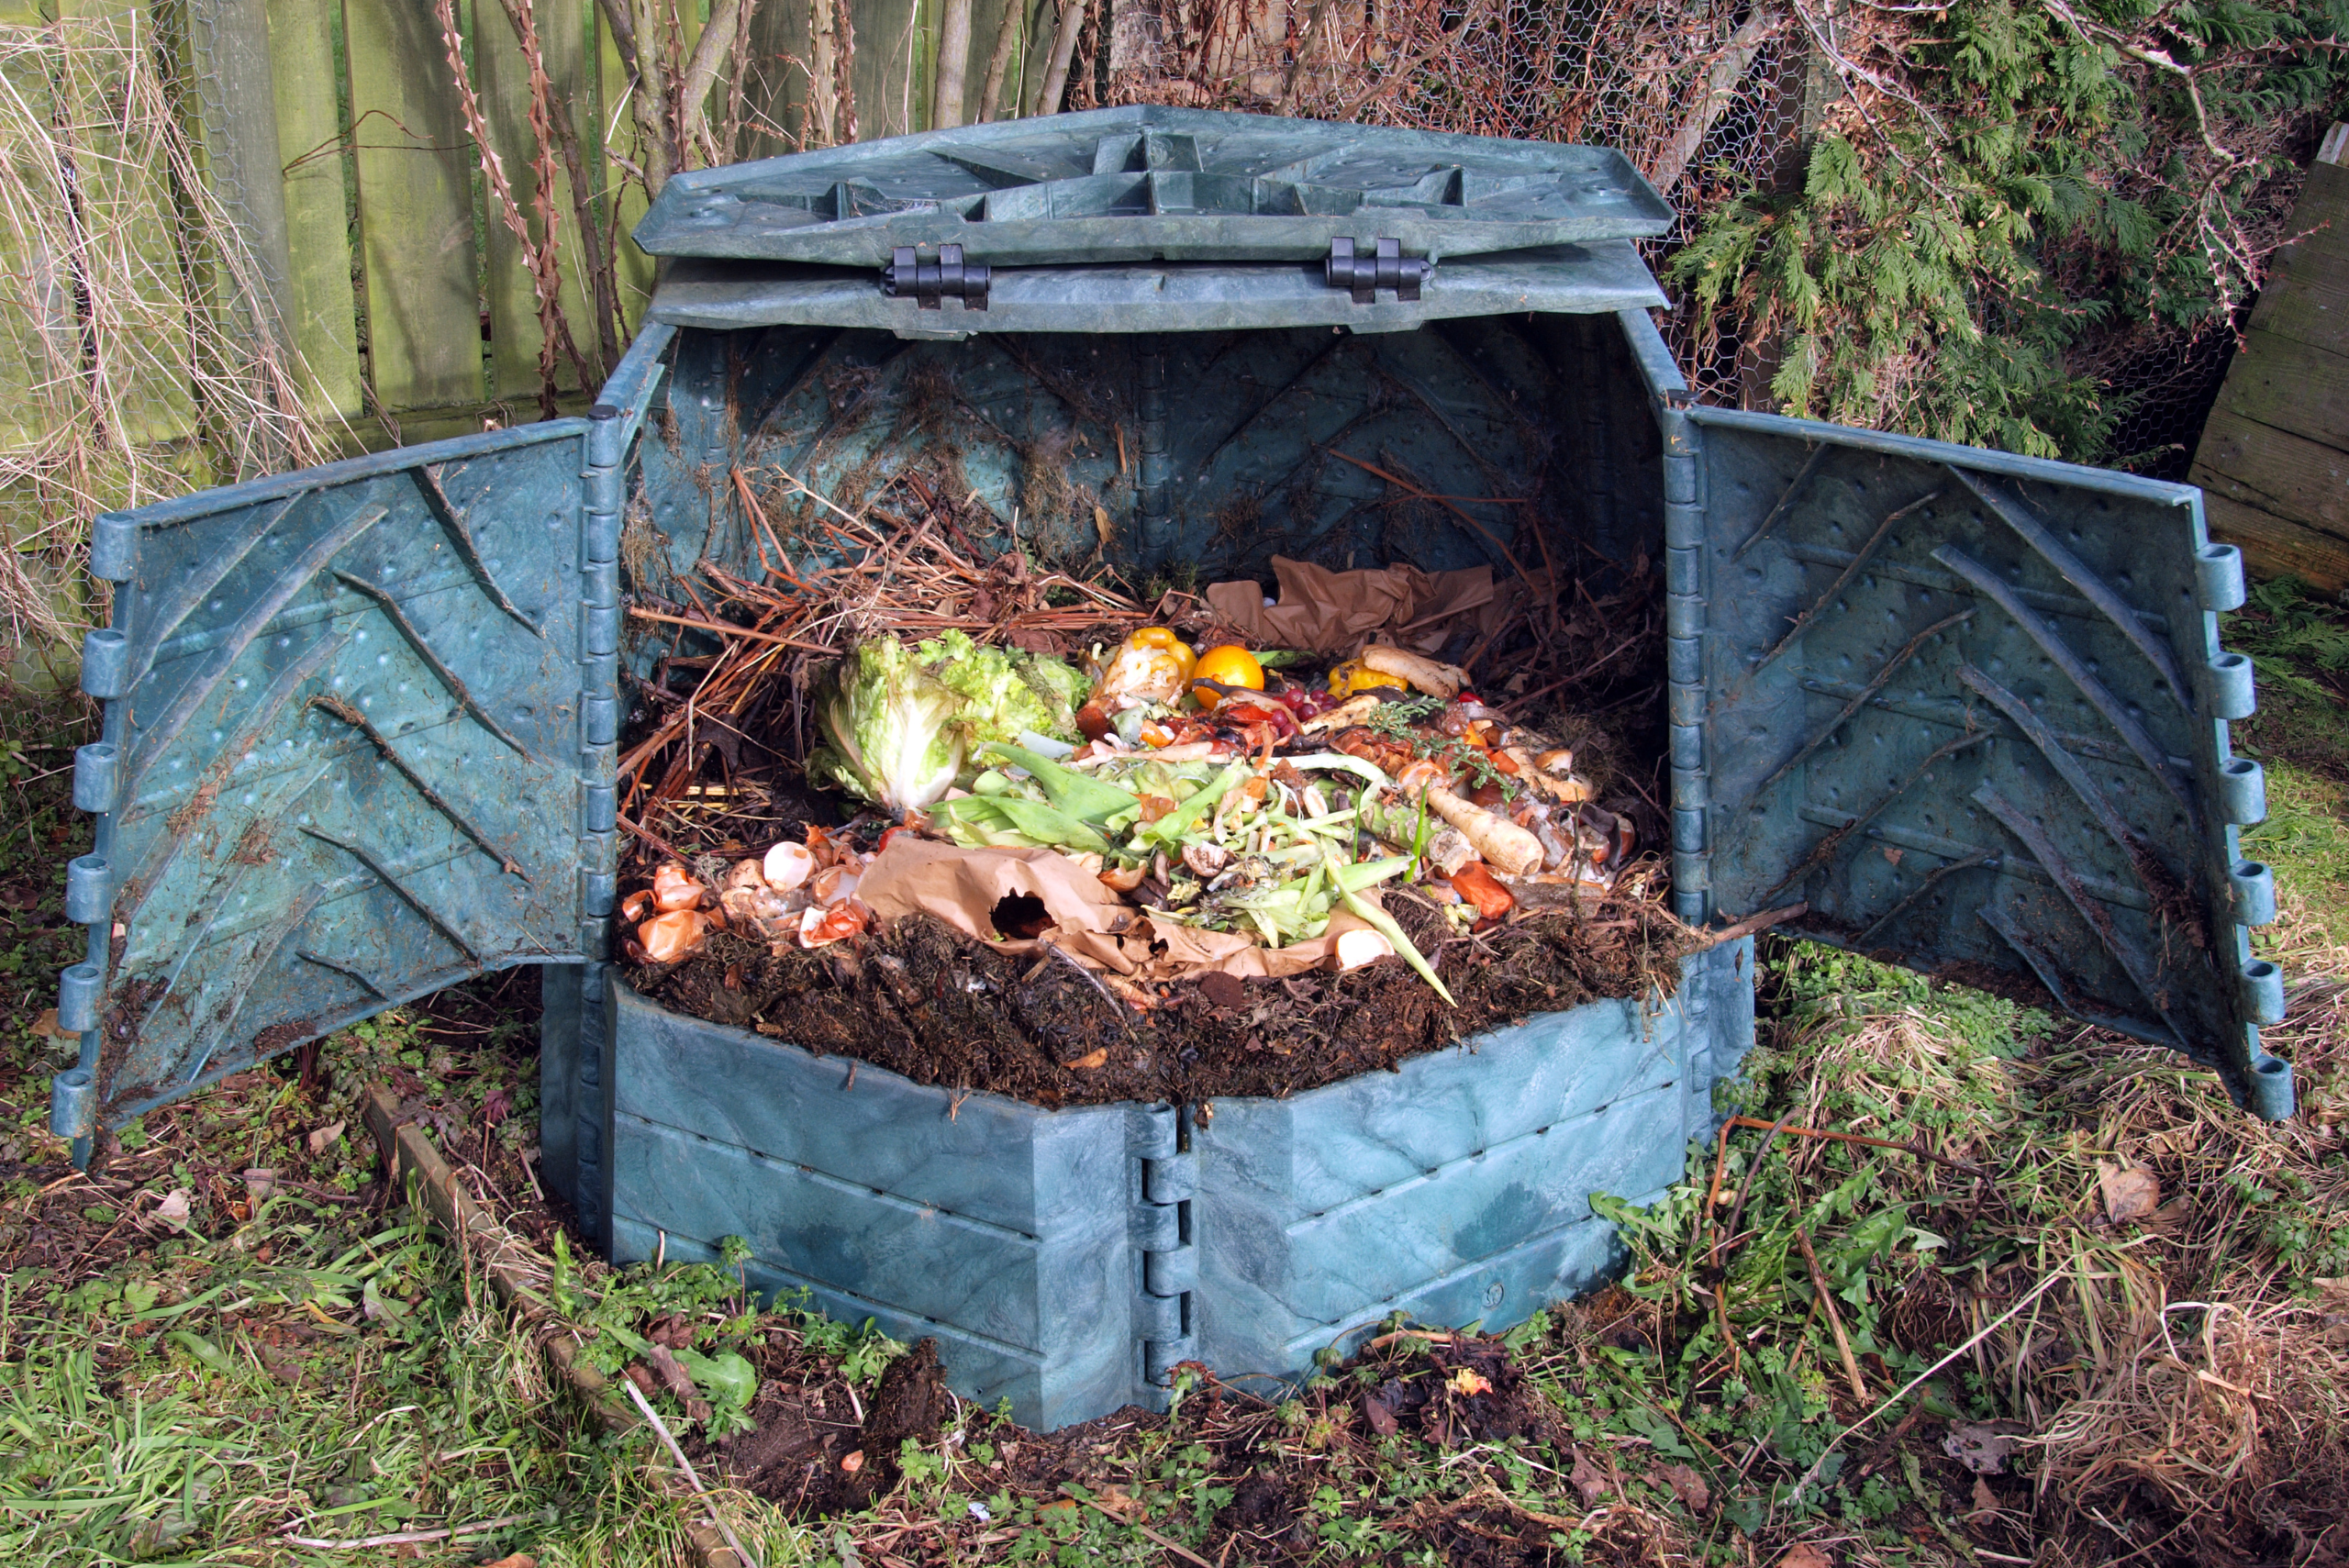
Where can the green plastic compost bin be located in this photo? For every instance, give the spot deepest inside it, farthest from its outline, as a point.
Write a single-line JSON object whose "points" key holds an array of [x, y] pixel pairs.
{"points": [[1968, 709]]}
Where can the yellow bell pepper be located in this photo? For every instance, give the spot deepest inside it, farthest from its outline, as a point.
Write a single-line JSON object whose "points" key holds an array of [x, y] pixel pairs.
{"points": [[1353, 677]]}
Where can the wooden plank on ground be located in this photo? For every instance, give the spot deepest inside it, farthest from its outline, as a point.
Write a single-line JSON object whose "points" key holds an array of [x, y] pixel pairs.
{"points": [[515, 333], [2271, 460], [2289, 386], [2275, 470], [517, 1275], [2298, 481], [2307, 295], [415, 217], [2273, 546], [322, 304], [137, 325]]}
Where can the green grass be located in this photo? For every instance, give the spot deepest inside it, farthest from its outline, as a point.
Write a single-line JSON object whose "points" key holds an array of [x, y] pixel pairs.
{"points": [[148, 1416]]}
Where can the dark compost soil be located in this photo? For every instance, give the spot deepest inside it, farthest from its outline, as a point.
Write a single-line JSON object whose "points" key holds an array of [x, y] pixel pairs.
{"points": [[922, 1000]]}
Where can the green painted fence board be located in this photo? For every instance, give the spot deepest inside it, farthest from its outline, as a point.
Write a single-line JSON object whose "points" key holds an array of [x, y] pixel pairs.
{"points": [[414, 208], [133, 223], [505, 87], [38, 336], [321, 302], [622, 207], [886, 101]]}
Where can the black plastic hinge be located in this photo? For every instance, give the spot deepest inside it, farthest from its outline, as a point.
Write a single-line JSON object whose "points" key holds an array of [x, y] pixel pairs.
{"points": [[930, 283], [1389, 269]]}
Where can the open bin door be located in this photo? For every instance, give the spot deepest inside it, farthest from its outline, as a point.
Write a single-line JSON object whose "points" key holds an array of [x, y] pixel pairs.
{"points": [[1970, 710], [354, 724]]}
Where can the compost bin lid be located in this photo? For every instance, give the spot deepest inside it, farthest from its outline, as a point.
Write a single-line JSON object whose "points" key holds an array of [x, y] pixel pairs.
{"points": [[1160, 296], [1145, 183]]}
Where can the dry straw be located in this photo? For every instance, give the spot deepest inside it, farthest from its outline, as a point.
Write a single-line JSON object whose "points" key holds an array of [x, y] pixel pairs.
{"points": [[129, 370]]}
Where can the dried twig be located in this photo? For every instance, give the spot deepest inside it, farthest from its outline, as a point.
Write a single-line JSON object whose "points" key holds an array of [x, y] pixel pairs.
{"points": [[405, 1537], [687, 1467]]}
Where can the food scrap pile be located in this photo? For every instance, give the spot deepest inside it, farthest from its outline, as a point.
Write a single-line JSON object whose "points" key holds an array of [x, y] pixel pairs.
{"points": [[1151, 817]]}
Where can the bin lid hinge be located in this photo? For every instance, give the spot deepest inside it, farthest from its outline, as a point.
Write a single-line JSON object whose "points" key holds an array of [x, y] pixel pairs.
{"points": [[930, 283], [1366, 273]]}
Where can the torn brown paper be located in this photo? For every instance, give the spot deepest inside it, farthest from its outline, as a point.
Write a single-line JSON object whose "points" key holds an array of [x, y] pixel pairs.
{"points": [[1321, 611]]}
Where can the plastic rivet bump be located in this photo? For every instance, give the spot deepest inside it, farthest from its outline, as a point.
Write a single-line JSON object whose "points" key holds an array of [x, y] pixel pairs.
{"points": [[78, 990], [106, 663], [2231, 687], [95, 777], [2263, 992], [89, 889], [2243, 788], [2254, 886], [2271, 1087], [113, 547], [2218, 572], [73, 1103]]}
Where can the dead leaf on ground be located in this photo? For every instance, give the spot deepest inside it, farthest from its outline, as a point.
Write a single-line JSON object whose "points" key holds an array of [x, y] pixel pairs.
{"points": [[49, 1025], [1686, 1484], [1802, 1554], [1985, 1500], [172, 1207], [1120, 1503], [1381, 1418], [1589, 1481], [666, 1368], [518, 1559], [323, 1137], [2131, 1193], [260, 1182], [1982, 1447]]}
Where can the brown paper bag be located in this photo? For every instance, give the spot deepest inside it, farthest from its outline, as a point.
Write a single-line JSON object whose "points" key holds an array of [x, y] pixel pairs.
{"points": [[1321, 611]]}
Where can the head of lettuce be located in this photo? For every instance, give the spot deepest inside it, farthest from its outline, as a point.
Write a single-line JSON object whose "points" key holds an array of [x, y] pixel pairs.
{"points": [[900, 720]]}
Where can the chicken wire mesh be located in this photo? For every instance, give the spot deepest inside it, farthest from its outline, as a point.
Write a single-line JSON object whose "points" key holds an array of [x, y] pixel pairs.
{"points": [[1713, 99]]}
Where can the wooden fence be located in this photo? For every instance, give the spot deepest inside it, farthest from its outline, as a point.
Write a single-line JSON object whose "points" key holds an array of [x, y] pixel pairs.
{"points": [[335, 136]]}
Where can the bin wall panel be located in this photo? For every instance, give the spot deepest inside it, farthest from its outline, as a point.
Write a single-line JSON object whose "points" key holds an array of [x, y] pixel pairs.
{"points": [[1055, 1254], [1457, 1180]]}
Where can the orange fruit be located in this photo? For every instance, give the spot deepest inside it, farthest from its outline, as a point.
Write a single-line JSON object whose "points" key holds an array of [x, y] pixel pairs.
{"points": [[1229, 665]]}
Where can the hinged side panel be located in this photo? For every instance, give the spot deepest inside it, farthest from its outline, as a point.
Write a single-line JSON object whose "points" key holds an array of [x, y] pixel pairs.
{"points": [[1971, 711], [341, 764]]}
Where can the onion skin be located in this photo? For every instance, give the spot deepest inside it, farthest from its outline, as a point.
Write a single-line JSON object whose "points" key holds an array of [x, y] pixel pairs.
{"points": [[674, 888], [674, 936]]}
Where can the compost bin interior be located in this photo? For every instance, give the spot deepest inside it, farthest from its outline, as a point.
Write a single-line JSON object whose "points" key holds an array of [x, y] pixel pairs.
{"points": [[822, 486]]}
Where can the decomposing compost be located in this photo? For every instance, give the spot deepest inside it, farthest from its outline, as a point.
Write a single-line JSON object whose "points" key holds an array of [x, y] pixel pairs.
{"points": [[937, 806]]}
